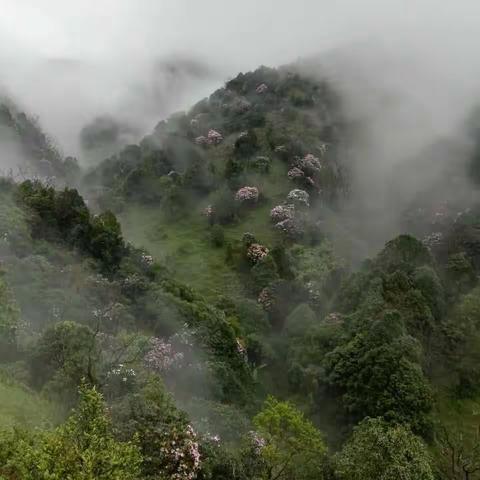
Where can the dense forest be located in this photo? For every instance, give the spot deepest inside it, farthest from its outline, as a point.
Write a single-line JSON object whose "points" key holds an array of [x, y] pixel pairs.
{"points": [[185, 309]]}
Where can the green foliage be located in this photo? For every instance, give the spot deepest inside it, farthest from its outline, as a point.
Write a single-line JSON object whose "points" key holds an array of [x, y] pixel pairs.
{"points": [[264, 273], [246, 144], [461, 344], [106, 242], [460, 274], [151, 416], [381, 451], [9, 318], [403, 253], [377, 375], [294, 448], [65, 354], [63, 216], [81, 449], [381, 342]]}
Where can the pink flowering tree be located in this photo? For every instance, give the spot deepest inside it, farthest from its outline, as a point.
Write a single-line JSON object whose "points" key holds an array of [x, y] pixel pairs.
{"points": [[282, 212], [201, 140], [181, 453], [161, 356], [262, 88], [310, 162], [247, 195], [295, 173], [290, 227], [256, 252], [214, 137], [266, 299]]}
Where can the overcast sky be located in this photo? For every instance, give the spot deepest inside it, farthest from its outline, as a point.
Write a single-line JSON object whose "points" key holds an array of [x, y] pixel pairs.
{"points": [[69, 60]]}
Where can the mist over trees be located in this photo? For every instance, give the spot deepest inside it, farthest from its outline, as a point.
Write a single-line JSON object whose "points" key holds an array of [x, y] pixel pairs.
{"points": [[279, 282]]}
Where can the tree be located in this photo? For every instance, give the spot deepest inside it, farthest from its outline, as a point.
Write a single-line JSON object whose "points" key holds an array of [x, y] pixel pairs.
{"points": [[246, 144], [377, 375], [106, 242], [458, 448], [291, 447], [67, 353], [462, 342], [83, 448], [168, 443], [379, 451]]}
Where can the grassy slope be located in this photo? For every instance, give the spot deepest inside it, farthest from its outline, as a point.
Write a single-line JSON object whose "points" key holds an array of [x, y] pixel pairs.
{"points": [[184, 244], [21, 407]]}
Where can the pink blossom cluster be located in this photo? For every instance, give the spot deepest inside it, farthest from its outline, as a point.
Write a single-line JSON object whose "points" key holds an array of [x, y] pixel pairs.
{"points": [[182, 451], [295, 173], [299, 196], [201, 140], [289, 227], [310, 161], [247, 194], [214, 137], [266, 299], [282, 212], [162, 357], [256, 252], [262, 88], [257, 441]]}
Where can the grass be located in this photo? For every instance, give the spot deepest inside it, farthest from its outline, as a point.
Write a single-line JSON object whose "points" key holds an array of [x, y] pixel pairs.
{"points": [[21, 407], [184, 244]]}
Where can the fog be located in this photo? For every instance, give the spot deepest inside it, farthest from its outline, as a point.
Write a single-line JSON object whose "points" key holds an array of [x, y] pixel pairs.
{"points": [[407, 70], [69, 62]]}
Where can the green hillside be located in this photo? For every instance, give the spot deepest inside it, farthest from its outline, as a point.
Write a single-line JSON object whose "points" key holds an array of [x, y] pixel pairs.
{"points": [[190, 315]]}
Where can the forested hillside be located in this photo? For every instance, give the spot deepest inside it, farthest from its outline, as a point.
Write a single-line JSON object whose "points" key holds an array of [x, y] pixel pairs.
{"points": [[185, 309]]}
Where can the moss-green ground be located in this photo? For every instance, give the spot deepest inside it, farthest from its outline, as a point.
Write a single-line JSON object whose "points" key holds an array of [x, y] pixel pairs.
{"points": [[21, 407]]}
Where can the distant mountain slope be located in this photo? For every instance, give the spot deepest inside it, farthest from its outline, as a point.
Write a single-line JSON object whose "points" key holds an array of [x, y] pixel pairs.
{"points": [[272, 130], [27, 150]]}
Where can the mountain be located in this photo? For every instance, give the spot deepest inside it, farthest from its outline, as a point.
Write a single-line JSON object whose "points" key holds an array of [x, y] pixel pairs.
{"points": [[27, 150], [194, 306]]}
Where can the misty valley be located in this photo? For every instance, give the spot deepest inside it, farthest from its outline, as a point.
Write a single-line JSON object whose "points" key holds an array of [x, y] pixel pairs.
{"points": [[243, 293]]}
